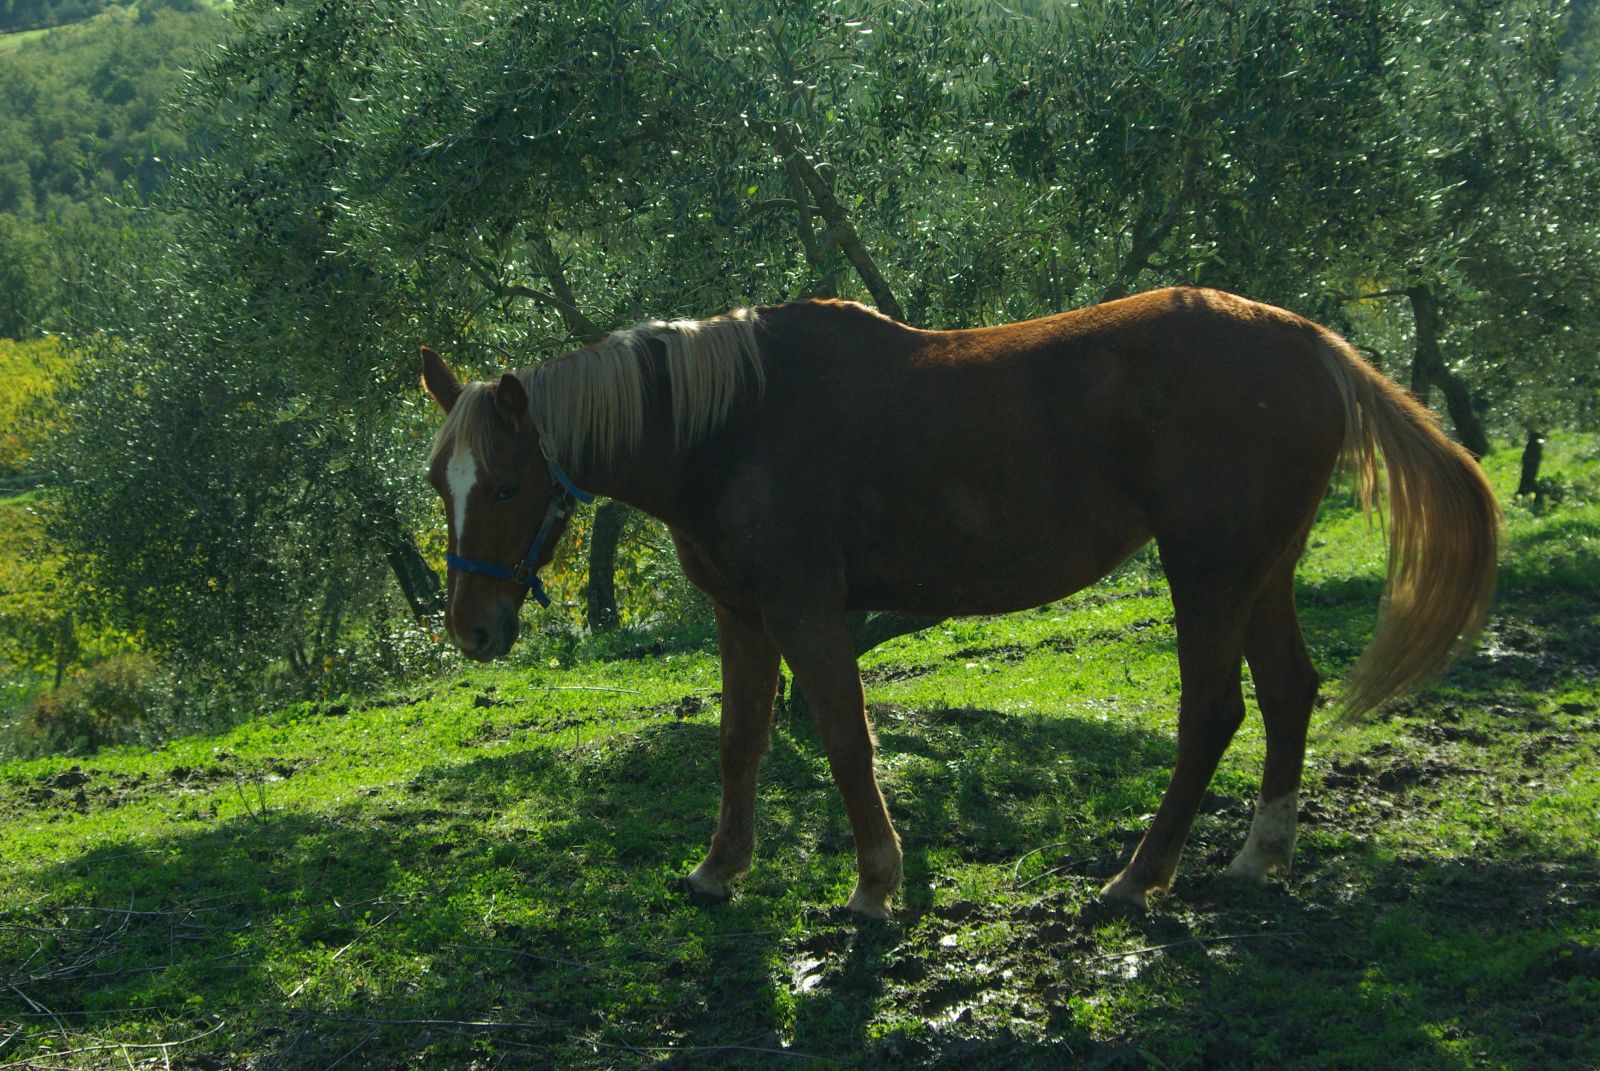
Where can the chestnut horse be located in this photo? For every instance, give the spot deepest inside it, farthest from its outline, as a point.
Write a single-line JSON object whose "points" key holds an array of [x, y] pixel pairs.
{"points": [[815, 458]]}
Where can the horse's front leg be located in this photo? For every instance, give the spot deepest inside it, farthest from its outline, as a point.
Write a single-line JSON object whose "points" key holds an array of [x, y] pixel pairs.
{"points": [[749, 684], [819, 650]]}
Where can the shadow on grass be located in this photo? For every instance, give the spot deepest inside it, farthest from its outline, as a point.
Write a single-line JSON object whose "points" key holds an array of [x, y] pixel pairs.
{"points": [[519, 910]]}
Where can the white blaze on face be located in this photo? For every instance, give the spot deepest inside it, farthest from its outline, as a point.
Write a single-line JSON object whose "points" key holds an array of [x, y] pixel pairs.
{"points": [[460, 476]]}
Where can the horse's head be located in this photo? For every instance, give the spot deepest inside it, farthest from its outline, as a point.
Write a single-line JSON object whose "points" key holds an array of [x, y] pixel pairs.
{"points": [[505, 509]]}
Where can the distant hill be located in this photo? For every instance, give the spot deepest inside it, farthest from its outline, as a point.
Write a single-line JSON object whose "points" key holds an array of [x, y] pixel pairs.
{"points": [[18, 15], [82, 121]]}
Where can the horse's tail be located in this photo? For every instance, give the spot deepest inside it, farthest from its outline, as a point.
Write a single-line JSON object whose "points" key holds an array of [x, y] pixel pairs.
{"points": [[1444, 527]]}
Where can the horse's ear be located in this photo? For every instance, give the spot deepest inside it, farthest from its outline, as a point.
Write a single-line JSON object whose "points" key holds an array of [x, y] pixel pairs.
{"points": [[511, 401], [439, 380]]}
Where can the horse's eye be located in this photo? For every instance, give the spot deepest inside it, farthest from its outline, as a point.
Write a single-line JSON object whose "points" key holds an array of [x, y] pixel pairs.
{"points": [[506, 492]]}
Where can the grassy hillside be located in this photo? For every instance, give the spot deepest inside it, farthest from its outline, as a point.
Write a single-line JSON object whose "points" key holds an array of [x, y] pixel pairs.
{"points": [[480, 871]]}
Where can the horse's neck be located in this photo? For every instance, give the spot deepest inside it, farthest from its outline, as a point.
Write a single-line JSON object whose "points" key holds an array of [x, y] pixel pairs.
{"points": [[644, 478], [646, 475], [643, 475]]}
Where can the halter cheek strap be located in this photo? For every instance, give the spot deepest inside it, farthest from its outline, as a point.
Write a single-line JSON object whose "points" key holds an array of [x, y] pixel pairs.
{"points": [[525, 573]]}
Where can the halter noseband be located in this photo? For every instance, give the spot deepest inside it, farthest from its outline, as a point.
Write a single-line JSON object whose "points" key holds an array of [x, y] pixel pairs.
{"points": [[525, 572]]}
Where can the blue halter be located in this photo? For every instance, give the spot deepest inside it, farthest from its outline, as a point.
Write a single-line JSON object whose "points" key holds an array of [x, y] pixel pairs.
{"points": [[525, 572]]}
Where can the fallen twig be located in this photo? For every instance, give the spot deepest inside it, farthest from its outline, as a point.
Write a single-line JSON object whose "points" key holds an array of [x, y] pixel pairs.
{"points": [[1193, 941], [467, 1024], [584, 688], [307, 979], [40, 1009], [1052, 872], [353, 1050], [122, 1046], [1017, 866]]}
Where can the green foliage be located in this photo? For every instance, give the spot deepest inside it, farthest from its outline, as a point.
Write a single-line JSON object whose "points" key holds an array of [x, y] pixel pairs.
{"points": [[33, 599], [47, 624], [27, 273], [652, 592], [202, 542], [32, 373], [109, 703], [82, 112], [39, 14], [503, 180], [1491, 202]]}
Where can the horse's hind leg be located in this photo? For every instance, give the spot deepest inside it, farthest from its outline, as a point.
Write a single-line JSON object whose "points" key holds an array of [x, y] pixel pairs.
{"points": [[1212, 604], [1286, 690]]}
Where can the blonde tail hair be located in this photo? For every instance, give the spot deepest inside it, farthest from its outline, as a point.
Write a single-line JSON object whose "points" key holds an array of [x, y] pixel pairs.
{"points": [[1444, 529]]}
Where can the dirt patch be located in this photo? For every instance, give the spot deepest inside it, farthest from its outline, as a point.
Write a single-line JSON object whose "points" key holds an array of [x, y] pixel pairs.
{"points": [[889, 674], [1000, 652], [397, 701], [86, 789], [685, 706]]}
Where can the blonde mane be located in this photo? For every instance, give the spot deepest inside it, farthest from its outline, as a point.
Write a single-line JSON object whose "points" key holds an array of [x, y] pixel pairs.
{"points": [[591, 404]]}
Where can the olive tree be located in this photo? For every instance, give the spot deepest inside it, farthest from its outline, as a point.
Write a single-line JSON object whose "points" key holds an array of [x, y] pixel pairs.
{"points": [[509, 180], [1487, 230]]}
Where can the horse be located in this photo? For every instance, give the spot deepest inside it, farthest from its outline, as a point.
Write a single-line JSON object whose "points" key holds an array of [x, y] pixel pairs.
{"points": [[816, 458]]}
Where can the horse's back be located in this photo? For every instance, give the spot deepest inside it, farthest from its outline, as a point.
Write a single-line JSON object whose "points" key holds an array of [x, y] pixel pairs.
{"points": [[1000, 467]]}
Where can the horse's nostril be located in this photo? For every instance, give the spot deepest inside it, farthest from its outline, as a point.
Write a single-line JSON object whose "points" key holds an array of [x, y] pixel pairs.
{"points": [[480, 638]]}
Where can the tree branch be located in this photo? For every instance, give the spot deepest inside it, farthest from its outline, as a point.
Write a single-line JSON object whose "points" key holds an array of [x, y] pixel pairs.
{"points": [[838, 221], [578, 325], [773, 204], [566, 303], [816, 254], [1148, 233]]}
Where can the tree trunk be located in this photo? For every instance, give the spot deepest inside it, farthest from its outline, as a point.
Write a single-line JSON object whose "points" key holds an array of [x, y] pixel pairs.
{"points": [[1150, 232], [816, 255], [1532, 455], [841, 231], [1428, 366], [609, 517], [1420, 388], [418, 582], [66, 646]]}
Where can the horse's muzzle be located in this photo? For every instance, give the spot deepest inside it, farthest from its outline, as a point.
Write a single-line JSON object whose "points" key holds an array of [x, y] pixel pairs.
{"points": [[486, 642]]}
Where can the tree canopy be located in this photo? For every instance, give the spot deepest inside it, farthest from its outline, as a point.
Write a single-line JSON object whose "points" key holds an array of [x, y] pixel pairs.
{"points": [[505, 180]]}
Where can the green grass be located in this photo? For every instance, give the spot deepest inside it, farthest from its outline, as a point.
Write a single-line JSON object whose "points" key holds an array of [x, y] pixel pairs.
{"points": [[480, 871]]}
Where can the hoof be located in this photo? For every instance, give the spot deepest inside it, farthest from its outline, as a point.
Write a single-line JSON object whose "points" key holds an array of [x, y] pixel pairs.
{"points": [[1270, 845], [1121, 897], [702, 888], [1251, 871], [868, 905]]}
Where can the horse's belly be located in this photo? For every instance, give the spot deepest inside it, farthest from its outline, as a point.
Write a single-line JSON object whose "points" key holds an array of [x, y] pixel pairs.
{"points": [[945, 571]]}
